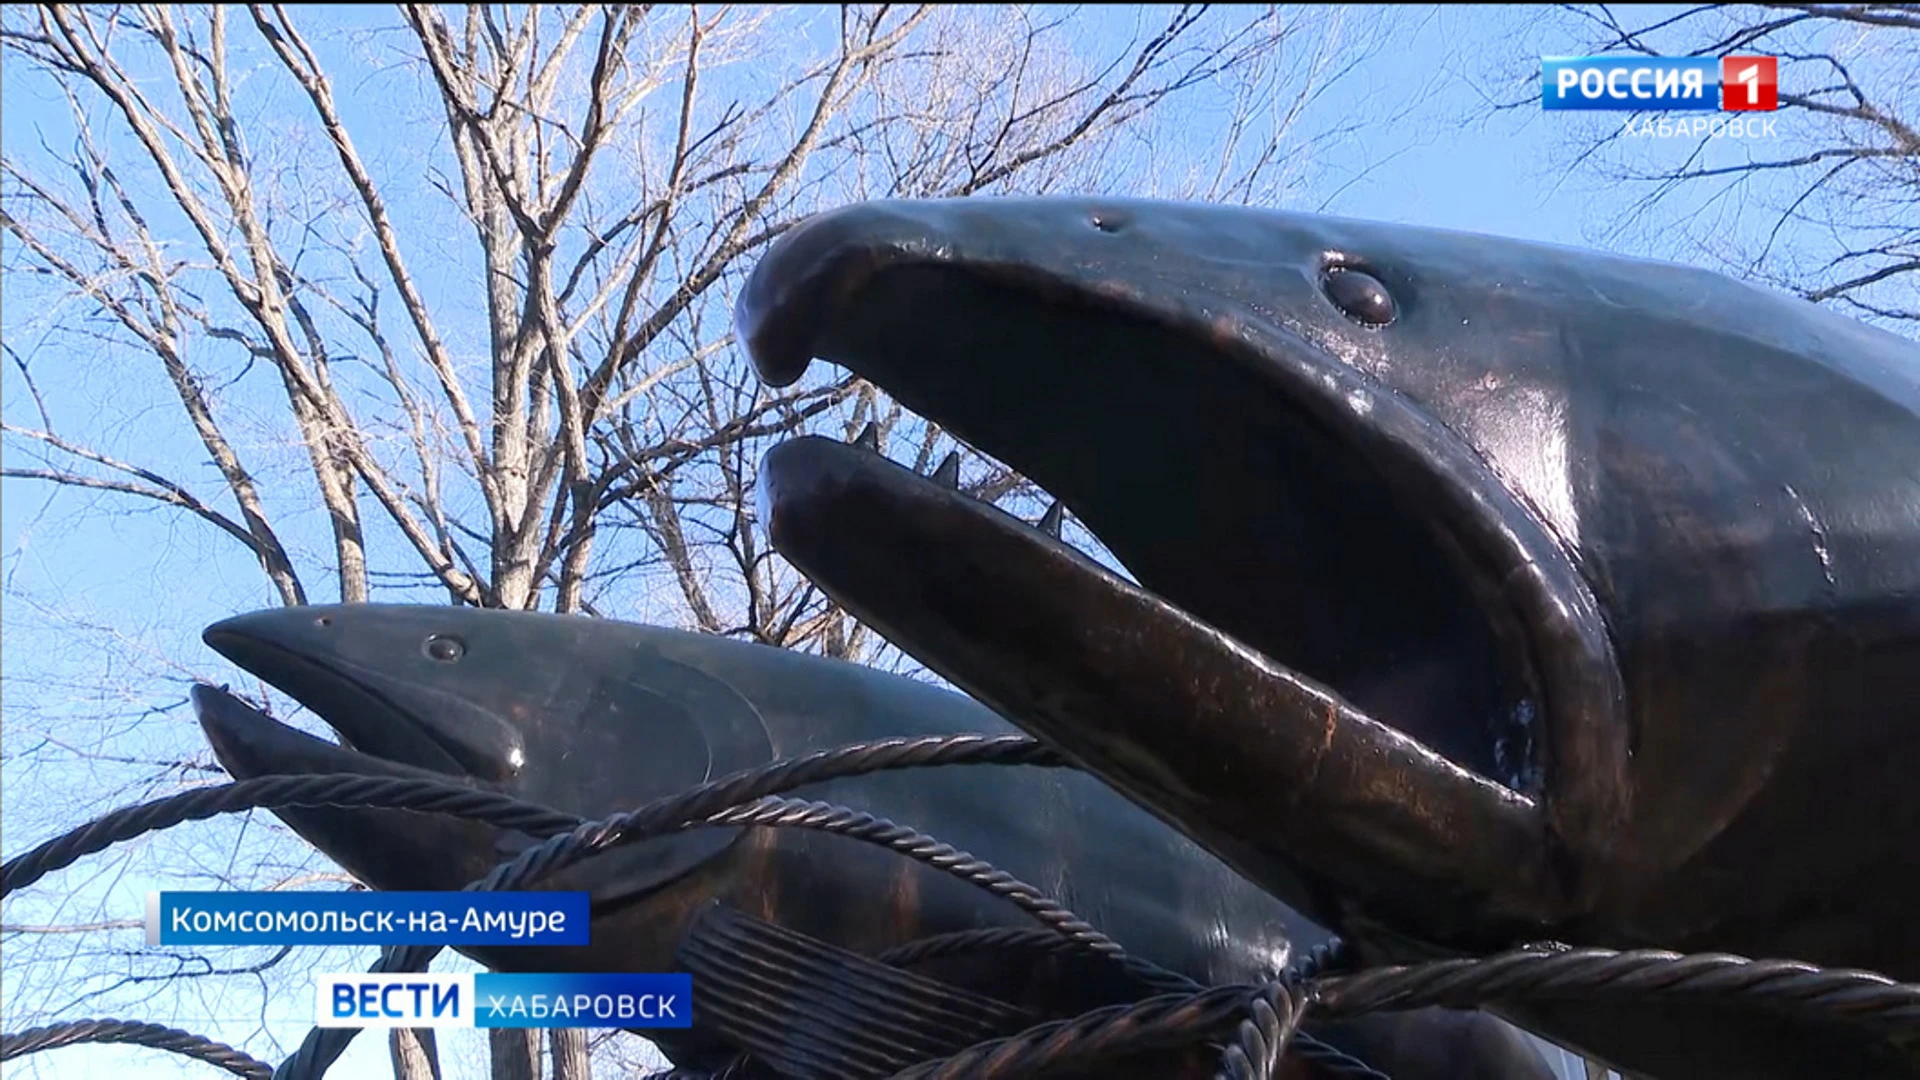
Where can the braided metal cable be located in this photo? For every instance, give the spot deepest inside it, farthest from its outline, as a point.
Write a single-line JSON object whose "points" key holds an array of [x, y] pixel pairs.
{"points": [[326, 789], [1019, 938], [1010, 938], [323, 1046], [1324, 958], [1262, 1020], [353, 790], [1163, 1021], [1864, 998], [1867, 999], [135, 1033], [1331, 1063], [562, 850], [860, 825], [1273, 1015], [1871, 1000]]}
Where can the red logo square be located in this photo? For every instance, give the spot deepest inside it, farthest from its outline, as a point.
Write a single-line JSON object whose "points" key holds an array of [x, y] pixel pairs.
{"points": [[1749, 83]]}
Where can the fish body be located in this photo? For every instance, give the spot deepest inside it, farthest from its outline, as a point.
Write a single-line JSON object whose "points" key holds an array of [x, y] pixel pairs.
{"points": [[592, 717], [1482, 592]]}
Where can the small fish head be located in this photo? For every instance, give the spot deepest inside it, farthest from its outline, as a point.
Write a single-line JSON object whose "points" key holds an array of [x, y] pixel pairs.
{"points": [[581, 715]]}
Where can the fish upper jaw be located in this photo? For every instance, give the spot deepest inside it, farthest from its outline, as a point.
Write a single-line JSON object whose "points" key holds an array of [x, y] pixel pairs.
{"points": [[290, 648], [1018, 326]]}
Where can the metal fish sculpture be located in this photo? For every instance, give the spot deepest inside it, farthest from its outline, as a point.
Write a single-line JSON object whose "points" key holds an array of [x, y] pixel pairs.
{"points": [[591, 716], [1487, 591]]}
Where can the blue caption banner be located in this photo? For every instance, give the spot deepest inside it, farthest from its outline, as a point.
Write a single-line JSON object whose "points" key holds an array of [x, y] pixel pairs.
{"points": [[582, 1000], [1639, 83], [367, 918]]}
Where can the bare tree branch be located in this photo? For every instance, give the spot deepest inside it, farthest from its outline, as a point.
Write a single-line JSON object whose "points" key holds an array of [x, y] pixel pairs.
{"points": [[1828, 204], [454, 284]]}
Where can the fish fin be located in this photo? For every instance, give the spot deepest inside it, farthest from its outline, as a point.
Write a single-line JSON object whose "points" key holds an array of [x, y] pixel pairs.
{"points": [[810, 1010]]}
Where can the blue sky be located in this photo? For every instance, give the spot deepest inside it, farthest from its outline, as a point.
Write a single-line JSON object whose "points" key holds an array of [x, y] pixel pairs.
{"points": [[98, 599]]}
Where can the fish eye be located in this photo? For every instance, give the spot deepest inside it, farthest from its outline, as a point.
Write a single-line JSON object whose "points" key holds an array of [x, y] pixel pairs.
{"points": [[1359, 295], [445, 648]]}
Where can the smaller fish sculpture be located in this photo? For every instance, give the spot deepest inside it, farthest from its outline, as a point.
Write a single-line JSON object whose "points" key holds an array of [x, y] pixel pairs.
{"points": [[591, 717]]}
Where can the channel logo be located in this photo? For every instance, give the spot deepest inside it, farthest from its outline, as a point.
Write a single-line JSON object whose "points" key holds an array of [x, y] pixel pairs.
{"points": [[1661, 84], [496, 1000], [361, 1000]]}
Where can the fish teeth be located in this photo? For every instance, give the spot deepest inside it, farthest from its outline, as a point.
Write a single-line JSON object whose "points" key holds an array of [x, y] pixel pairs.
{"points": [[948, 474], [1049, 522]]}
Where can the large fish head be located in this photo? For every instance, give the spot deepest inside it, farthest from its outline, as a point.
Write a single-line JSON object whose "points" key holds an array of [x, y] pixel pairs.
{"points": [[1467, 574], [581, 715]]}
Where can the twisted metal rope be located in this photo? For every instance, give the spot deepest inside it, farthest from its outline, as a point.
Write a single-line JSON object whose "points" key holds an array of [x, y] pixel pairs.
{"points": [[1163, 1021], [1864, 998], [1016, 938], [1273, 1015], [1331, 1062], [456, 800], [135, 1033], [859, 825], [1872, 1001], [1322, 959], [279, 792], [323, 1046], [1262, 1019], [352, 790]]}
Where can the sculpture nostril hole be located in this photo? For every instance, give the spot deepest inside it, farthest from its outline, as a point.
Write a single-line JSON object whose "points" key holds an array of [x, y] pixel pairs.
{"points": [[1108, 223], [325, 620]]}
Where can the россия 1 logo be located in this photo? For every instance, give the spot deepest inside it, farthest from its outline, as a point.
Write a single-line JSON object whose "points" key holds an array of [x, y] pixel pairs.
{"points": [[1661, 84]]}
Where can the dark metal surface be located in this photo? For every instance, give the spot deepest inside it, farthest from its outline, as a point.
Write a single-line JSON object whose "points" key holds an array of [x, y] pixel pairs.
{"points": [[1870, 1002], [554, 855], [588, 716], [1499, 593], [871, 1026]]}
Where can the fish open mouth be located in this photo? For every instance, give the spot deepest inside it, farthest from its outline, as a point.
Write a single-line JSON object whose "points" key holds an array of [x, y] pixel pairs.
{"points": [[420, 692], [460, 746], [1356, 666]]}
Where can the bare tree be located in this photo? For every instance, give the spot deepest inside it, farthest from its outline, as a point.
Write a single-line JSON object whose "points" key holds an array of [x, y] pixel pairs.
{"points": [[496, 348], [415, 1054], [1823, 199]]}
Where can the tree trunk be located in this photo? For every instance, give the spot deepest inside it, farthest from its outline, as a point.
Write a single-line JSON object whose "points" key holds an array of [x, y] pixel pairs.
{"points": [[415, 1055], [570, 1054], [516, 1053]]}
